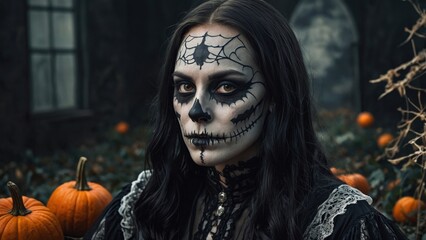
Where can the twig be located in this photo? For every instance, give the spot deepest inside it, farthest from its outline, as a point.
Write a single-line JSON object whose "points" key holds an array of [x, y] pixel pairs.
{"points": [[421, 22]]}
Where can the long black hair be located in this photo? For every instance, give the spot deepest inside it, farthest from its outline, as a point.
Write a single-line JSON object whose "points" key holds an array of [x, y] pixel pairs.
{"points": [[289, 152]]}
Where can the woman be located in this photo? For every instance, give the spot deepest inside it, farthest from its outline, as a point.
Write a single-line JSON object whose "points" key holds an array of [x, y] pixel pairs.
{"points": [[234, 154]]}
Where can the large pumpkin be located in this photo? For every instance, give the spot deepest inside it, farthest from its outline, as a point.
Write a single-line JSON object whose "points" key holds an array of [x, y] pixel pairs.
{"points": [[77, 204], [406, 209], [24, 218]]}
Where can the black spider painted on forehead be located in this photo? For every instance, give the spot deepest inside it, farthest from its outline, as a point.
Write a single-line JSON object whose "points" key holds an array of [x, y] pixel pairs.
{"points": [[199, 53]]}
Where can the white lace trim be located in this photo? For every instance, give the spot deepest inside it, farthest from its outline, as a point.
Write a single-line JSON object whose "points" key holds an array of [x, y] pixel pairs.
{"points": [[323, 223], [128, 202]]}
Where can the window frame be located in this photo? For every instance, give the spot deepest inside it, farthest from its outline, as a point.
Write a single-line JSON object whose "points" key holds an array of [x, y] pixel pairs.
{"points": [[79, 51]]}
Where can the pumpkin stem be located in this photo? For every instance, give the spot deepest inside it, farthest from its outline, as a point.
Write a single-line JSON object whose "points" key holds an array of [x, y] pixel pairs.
{"points": [[81, 181], [18, 208]]}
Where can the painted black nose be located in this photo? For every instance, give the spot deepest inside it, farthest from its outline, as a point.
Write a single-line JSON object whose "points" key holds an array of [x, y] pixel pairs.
{"points": [[197, 113]]}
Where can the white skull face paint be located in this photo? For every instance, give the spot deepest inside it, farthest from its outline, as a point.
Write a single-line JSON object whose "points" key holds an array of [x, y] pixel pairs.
{"points": [[219, 96]]}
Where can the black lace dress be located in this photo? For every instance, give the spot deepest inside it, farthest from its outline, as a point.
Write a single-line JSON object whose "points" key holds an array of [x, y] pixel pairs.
{"points": [[221, 211], [331, 211]]}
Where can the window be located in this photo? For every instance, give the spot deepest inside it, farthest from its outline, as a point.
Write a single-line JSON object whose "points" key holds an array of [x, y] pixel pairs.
{"points": [[53, 53]]}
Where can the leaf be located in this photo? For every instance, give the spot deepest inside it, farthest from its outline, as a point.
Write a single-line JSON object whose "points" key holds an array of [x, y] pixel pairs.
{"points": [[376, 178]]}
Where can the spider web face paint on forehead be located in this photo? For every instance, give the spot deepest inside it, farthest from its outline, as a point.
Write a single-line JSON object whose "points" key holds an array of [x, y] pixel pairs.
{"points": [[198, 50], [205, 48]]}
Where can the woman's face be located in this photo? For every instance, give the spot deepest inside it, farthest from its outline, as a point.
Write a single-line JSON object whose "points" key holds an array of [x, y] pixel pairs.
{"points": [[219, 96]]}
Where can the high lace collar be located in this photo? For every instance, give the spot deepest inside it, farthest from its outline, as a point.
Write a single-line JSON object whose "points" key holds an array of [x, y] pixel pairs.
{"points": [[225, 202], [239, 180]]}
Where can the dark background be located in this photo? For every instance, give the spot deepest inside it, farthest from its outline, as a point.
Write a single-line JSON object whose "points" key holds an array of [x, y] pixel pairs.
{"points": [[123, 43]]}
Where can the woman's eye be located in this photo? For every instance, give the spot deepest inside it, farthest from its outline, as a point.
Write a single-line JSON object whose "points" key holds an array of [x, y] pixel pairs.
{"points": [[186, 88], [225, 89]]}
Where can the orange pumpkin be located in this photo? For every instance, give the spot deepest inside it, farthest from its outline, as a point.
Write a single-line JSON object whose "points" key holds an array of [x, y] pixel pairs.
{"points": [[406, 208], [122, 127], [365, 119], [384, 140], [347, 178], [77, 204], [357, 181], [24, 218]]}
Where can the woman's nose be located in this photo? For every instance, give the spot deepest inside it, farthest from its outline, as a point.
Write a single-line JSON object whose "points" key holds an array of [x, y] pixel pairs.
{"points": [[197, 114]]}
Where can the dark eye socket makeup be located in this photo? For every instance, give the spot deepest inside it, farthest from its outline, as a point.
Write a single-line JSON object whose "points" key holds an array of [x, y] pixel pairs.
{"points": [[184, 87], [226, 87]]}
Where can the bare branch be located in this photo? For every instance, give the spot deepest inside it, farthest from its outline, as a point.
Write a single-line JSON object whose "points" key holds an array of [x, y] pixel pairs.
{"points": [[420, 23]]}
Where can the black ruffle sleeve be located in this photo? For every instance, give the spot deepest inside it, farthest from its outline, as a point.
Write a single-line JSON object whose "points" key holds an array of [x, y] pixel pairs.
{"points": [[374, 226], [362, 221], [108, 225]]}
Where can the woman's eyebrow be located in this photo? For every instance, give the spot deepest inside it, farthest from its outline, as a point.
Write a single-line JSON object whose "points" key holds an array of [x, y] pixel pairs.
{"points": [[213, 77], [227, 73], [181, 75]]}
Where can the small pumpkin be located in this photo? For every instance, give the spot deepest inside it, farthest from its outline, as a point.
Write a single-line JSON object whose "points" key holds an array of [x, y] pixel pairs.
{"points": [[406, 208], [122, 127], [357, 181], [78, 204], [384, 139], [365, 119], [25, 218]]}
